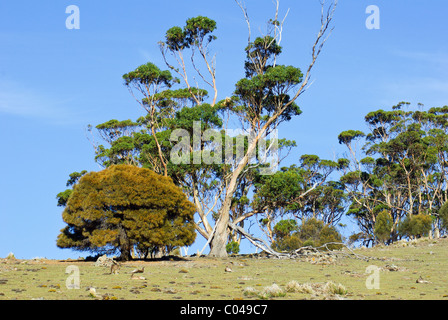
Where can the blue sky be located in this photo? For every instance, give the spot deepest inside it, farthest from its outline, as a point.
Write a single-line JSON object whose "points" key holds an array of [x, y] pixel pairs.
{"points": [[55, 81]]}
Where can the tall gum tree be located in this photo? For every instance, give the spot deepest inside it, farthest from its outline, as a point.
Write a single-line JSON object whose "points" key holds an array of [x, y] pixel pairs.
{"points": [[261, 101]]}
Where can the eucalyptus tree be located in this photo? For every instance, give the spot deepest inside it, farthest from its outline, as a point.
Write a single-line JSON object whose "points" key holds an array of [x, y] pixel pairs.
{"points": [[304, 192], [404, 168], [184, 133], [262, 100]]}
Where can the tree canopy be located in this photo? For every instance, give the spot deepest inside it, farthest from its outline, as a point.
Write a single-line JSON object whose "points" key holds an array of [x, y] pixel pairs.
{"points": [[402, 174], [125, 207]]}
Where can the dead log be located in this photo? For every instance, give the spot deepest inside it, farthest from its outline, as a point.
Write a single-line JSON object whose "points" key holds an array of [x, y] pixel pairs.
{"points": [[261, 244]]}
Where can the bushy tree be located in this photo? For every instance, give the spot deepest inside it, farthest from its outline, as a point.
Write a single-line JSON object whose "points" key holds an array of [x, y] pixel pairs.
{"points": [[285, 236], [312, 232], [415, 226], [316, 233], [124, 206], [443, 216], [383, 226]]}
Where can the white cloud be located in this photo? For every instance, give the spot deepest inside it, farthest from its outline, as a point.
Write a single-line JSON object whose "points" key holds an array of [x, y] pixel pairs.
{"points": [[433, 57], [423, 85], [425, 81], [20, 100]]}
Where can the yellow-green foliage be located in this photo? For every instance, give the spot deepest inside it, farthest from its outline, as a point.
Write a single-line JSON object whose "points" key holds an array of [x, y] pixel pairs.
{"points": [[123, 206], [311, 232], [443, 215], [416, 226], [383, 225]]}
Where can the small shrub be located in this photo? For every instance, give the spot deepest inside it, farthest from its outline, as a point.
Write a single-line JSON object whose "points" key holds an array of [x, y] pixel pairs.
{"points": [[285, 235], [288, 243], [233, 247], [333, 288], [11, 256], [318, 233], [306, 288], [308, 243], [272, 291], [294, 286], [250, 292]]}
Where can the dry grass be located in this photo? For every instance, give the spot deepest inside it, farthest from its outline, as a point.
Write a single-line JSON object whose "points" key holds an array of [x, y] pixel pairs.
{"points": [[205, 278], [294, 286]]}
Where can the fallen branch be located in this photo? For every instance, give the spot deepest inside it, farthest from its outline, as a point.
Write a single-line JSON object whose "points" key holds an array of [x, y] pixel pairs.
{"points": [[261, 244], [258, 242], [336, 252]]}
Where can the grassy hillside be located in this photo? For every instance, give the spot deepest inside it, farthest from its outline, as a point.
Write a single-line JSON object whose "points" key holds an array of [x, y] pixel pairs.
{"points": [[310, 277]]}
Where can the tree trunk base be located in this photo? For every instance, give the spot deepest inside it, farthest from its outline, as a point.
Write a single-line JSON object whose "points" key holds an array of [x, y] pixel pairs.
{"points": [[218, 246]]}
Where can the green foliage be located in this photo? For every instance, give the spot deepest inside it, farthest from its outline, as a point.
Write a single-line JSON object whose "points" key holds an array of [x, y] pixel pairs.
{"points": [[193, 34], [175, 98], [285, 235], [74, 177], [415, 226], [383, 226], [443, 215], [197, 28], [288, 243], [233, 247], [283, 191], [175, 38], [268, 92], [312, 232], [284, 228], [359, 236], [402, 166], [63, 196], [346, 137], [259, 53], [125, 206], [317, 233], [278, 190], [148, 74]]}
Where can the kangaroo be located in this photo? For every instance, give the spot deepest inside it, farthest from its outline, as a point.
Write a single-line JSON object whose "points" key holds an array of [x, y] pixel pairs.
{"points": [[114, 268], [138, 270], [135, 271]]}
